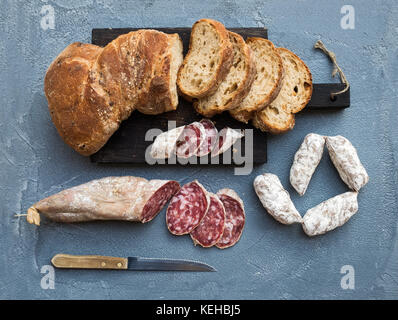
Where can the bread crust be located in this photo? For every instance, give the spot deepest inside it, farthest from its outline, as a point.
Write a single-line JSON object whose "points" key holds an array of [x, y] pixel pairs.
{"points": [[223, 68], [90, 89], [245, 113], [158, 98], [260, 119], [242, 91], [261, 123], [65, 86]]}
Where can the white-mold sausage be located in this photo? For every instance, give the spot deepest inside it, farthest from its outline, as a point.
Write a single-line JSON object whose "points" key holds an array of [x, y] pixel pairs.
{"points": [[345, 158], [275, 199], [330, 214], [111, 198], [305, 161], [165, 143]]}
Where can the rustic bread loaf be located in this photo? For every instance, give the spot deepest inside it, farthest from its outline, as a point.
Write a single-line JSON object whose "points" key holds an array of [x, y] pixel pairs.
{"points": [[296, 91], [208, 60], [90, 90], [267, 82], [237, 83]]}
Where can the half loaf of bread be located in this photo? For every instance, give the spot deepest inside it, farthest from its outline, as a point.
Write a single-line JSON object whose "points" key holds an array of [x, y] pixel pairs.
{"points": [[90, 89]]}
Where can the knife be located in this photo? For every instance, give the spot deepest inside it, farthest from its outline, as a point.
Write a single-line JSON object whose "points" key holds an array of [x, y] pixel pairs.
{"points": [[131, 263]]}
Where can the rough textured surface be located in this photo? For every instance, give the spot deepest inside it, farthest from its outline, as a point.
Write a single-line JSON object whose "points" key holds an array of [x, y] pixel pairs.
{"points": [[270, 260]]}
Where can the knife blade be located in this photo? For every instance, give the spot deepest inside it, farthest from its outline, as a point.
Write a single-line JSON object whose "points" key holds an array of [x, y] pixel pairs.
{"points": [[131, 263]]}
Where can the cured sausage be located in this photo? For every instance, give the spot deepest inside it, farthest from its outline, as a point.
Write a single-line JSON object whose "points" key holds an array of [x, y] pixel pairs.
{"points": [[111, 198], [210, 138], [226, 138], [165, 143], [275, 199], [210, 230], [234, 218], [187, 208], [330, 214], [190, 140], [305, 161], [345, 158]]}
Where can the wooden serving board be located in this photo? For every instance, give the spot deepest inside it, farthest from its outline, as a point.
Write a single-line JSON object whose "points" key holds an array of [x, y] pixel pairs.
{"points": [[128, 145]]}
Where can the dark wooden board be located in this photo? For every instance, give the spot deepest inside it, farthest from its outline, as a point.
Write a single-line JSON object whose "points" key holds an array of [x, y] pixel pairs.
{"points": [[128, 145], [321, 98], [101, 37]]}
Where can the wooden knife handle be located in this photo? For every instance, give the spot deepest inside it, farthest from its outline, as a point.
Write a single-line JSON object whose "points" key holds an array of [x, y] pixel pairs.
{"points": [[88, 262]]}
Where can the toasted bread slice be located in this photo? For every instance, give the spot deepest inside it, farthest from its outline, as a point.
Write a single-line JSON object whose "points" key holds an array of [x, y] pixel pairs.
{"points": [[294, 95], [267, 82], [208, 60], [236, 85]]}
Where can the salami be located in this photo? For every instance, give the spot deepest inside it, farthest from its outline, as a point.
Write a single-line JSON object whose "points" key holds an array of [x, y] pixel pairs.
{"points": [[210, 230], [190, 140], [226, 138], [305, 162], [210, 138], [159, 192], [345, 158], [234, 218], [111, 198], [187, 208], [330, 214], [165, 143], [275, 199]]}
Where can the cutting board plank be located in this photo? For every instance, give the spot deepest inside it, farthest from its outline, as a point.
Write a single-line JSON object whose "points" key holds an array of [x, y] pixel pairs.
{"points": [[128, 145]]}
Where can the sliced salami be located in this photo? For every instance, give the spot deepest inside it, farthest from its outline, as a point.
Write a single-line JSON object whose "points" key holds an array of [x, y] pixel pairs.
{"points": [[226, 138], [187, 208], [190, 140], [211, 135], [161, 192], [210, 230], [234, 218], [165, 143], [112, 198]]}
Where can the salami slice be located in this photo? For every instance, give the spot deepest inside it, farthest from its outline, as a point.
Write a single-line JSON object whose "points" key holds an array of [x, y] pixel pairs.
{"points": [[210, 138], [111, 198], [226, 138], [160, 193], [210, 230], [165, 143], [187, 208], [234, 218], [190, 140]]}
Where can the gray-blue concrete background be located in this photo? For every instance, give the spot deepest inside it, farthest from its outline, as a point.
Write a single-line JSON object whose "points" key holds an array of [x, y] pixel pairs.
{"points": [[271, 260]]}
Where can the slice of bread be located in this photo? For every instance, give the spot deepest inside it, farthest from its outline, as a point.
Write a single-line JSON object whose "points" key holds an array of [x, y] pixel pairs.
{"points": [[294, 95], [267, 82], [208, 60], [237, 83]]}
